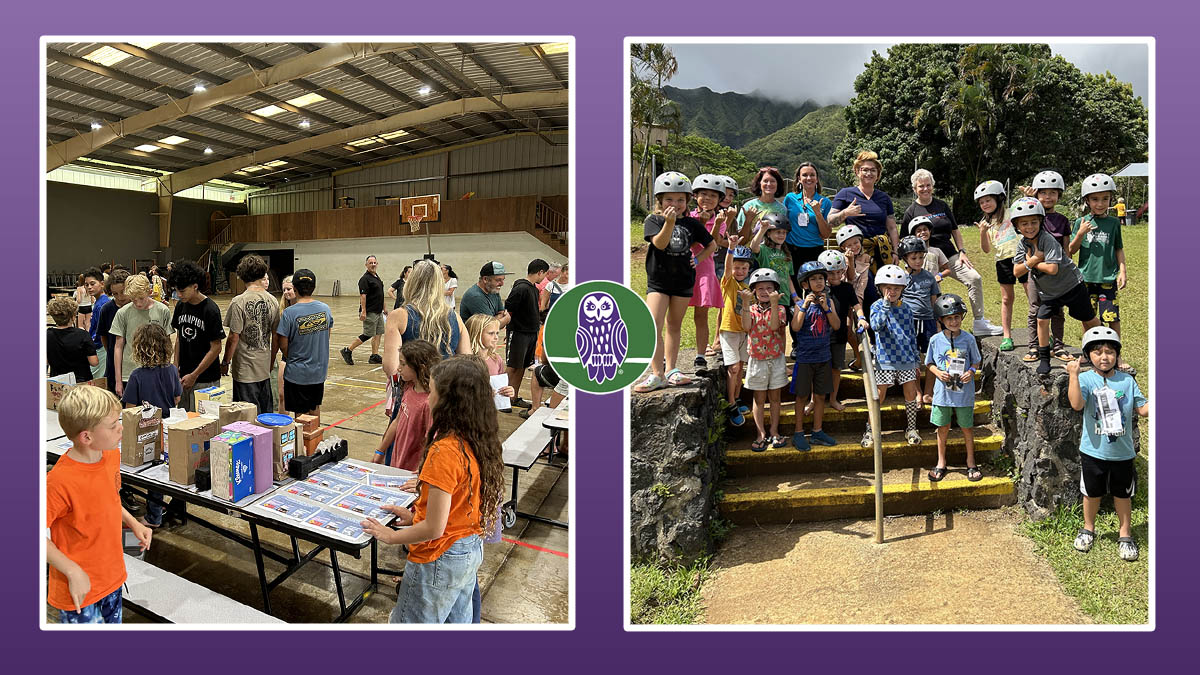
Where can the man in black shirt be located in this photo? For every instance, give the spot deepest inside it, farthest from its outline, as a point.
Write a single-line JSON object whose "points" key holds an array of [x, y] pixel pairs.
{"points": [[370, 311], [525, 320], [197, 322]]}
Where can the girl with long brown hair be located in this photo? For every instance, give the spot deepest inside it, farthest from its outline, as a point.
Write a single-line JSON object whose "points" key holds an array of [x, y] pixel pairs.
{"points": [[461, 479]]}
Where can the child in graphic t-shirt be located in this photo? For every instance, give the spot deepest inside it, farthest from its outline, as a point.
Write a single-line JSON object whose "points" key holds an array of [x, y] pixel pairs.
{"points": [[997, 233], [953, 359], [813, 324], [1048, 187], [1097, 238]]}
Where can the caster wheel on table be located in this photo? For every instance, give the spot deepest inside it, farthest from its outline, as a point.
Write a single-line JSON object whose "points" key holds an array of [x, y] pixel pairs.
{"points": [[509, 516]]}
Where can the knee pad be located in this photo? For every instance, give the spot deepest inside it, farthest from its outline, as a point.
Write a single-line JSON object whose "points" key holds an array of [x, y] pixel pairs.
{"points": [[546, 376], [364, 338]]}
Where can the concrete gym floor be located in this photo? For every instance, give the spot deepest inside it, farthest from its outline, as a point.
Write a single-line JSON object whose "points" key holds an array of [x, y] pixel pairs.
{"points": [[524, 579]]}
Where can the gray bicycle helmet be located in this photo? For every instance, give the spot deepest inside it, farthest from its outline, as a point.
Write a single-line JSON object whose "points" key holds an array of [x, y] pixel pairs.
{"points": [[989, 187], [764, 274], [891, 274], [846, 232], [920, 220], [774, 221], [709, 181], [949, 305], [672, 181], [1026, 206], [1049, 180], [730, 183], [832, 260], [911, 244], [1097, 182], [1099, 334]]}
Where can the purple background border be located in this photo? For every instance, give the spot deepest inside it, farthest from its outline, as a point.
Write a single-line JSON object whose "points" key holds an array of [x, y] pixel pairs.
{"points": [[600, 220]]}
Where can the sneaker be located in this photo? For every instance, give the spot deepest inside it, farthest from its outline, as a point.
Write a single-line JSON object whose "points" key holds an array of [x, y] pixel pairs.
{"points": [[913, 437], [1128, 548], [375, 358], [822, 438], [800, 442], [701, 363], [867, 441], [736, 418], [1084, 540], [743, 409], [983, 327], [347, 356], [521, 403]]}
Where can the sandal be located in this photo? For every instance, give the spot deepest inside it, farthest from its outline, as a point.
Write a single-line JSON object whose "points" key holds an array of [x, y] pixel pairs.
{"points": [[937, 473], [1060, 352], [778, 441], [713, 350], [652, 383], [1031, 356], [1126, 368], [974, 474], [760, 445], [676, 378]]}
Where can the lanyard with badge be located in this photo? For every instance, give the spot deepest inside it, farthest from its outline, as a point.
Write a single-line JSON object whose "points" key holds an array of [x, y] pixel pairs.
{"points": [[956, 366], [1108, 412]]}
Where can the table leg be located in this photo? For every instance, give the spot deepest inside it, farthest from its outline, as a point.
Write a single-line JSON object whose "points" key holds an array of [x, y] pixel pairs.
{"points": [[337, 579], [262, 573]]}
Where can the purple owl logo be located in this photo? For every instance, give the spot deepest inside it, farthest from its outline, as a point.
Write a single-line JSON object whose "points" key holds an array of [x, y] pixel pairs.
{"points": [[601, 338]]}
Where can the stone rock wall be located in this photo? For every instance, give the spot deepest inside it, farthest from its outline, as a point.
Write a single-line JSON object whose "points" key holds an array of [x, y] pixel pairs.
{"points": [[676, 454]]}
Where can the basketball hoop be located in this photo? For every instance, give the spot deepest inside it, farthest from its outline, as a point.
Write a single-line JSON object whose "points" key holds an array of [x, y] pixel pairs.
{"points": [[414, 224]]}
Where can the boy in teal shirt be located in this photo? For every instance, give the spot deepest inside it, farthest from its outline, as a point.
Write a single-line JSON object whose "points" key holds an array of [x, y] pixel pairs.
{"points": [[1097, 238]]}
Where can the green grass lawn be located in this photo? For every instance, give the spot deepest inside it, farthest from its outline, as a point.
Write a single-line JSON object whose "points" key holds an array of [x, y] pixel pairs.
{"points": [[1109, 589], [666, 595]]}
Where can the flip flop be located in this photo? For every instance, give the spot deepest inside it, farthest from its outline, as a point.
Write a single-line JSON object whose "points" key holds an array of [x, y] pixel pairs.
{"points": [[1060, 352], [760, 445], [778, 441], [974, 474], [937, 473]]}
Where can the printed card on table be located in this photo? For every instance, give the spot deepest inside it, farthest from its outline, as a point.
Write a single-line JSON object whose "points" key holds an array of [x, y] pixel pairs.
{"points": [[351, 471], [313, 492], [345, 525], [385, 481], [332, 481], [292, 508], [381, 496], [362, 507]]}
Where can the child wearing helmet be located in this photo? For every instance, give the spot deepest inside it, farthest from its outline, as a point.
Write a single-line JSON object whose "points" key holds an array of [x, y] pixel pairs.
{"points": [[812, 324], [920, 295], [953, 359], [997, 232], [1108, 399], [936, 262], [766, 374], [771, 252], [846, 305], [1097, 238], [895, 348], [1058, 281], [1047, 187], [731, 334], [708, 191], [670, 273], [860, 265], [730, 189]]}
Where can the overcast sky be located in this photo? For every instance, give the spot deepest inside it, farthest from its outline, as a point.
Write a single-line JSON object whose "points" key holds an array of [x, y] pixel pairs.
{"points": [[825, 73]]}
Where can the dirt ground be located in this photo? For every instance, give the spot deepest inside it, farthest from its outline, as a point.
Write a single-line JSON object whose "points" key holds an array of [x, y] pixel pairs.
{"points": [[969, 568]]}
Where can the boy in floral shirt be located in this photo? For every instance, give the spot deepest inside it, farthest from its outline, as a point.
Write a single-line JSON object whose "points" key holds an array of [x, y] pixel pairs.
{"points": [[766, 375]]}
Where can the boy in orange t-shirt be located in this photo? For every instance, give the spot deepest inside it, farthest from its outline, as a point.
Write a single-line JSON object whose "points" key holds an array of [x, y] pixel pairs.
{"points": [[84, 512]]}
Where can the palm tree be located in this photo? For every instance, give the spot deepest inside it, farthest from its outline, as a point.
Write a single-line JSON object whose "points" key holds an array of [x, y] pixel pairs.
{"points": [[652, 64]]}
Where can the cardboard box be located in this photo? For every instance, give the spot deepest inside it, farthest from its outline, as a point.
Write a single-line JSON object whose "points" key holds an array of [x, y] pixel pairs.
{"points": [[263, 452], [59, 385], [190, 442], [141, 438], [209, 400], [283, 446], [311, 440], [170, 419], [309, 423], [231, 462], [238, 411]]}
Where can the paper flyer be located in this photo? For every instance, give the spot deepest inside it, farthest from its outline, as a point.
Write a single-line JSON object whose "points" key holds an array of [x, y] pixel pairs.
{"points": [[352, 471], [381, 496], [313, 492], [345, 525], [287, 506], [361, 507], [499, 382], [333, 481], [385, 481]]}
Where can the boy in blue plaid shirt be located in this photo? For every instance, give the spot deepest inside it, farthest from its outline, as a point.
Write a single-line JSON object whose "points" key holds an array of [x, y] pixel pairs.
{"points": [[896, 355]]}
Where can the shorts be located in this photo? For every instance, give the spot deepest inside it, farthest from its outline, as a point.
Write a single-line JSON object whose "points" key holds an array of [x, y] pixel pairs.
{"points": [[1076, 300], [766, 374], [925, 329], [1104, 301], [1099, 477], [1004, 273], [890, 377], [942, 415], [521, 348], [372, 326], [735, 347], [441, 590], [681, 286], [105, 610], [258, 393], [562, 389], [812, 378], [837, 355], [303, 399]]}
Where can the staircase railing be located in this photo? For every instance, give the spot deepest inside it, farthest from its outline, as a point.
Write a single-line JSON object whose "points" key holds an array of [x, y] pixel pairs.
{"points": [[871, 394], [550, 220]]}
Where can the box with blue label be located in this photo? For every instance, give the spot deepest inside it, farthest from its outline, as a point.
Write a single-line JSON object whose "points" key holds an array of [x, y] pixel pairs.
{"points": [[231, 457], [190, 444]]}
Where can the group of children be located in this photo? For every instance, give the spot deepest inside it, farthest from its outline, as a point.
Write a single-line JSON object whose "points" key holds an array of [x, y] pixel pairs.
{"points": [[917, 330]]}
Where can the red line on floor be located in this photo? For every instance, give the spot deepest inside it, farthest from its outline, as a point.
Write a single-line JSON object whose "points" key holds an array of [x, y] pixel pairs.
{"points": [[354, 415], [536, 548]]}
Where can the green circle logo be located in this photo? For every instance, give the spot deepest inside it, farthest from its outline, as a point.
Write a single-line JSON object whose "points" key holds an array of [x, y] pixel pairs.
{"points": [[599, 336]]}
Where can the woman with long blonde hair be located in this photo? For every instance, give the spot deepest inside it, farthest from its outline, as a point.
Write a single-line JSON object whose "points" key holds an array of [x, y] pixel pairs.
{"points": [[424, 316]]}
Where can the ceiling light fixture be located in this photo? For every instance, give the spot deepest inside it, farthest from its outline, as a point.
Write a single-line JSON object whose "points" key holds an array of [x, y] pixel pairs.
{"points": [[424, 90], [96, 125], [208, 151], [267, 110], [146, 147], [199, 88], [173, 140], [304, 124]]}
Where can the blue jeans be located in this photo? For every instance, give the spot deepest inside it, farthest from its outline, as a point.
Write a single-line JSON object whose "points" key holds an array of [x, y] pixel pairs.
{"points": [[441, 591], [104, 610], [154, 510]]}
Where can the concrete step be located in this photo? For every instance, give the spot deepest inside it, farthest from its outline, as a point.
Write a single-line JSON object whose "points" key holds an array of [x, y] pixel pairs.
{"points": [[851, 385], [830, 496], [854, 417], [847, 455]]}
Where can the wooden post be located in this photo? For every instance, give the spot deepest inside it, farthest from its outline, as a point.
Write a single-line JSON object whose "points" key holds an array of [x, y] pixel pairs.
{"points": [[872, 395]]}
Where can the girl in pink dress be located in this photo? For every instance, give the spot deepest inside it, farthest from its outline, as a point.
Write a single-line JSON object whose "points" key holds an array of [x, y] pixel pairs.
{"points": [[709, 191]]}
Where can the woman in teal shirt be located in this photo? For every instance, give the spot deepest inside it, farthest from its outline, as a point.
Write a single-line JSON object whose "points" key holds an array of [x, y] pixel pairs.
{"points": [[807, 211]]}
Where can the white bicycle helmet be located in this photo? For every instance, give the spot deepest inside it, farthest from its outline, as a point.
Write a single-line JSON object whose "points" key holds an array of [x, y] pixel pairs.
{"points": [[1097, 182], [920, 220], [832, 260], [1049, 179], [709, 181], [1101, 334], [1026, 206], [891, 274], [989, 187], [672, 181], [847, 232], [764, 274], [730, 184]]}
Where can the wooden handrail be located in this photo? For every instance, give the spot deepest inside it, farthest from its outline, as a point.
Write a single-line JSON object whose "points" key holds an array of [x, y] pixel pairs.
{"points": [[549, 219]]}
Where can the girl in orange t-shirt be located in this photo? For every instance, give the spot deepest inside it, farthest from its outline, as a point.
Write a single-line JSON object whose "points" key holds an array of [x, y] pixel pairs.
{"points": [[460, 482], [405, 436]]}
